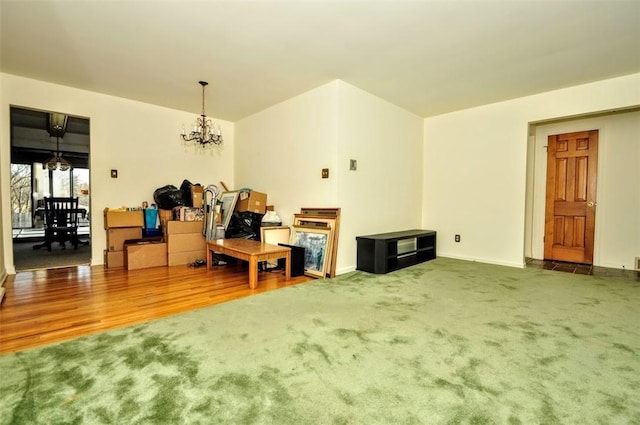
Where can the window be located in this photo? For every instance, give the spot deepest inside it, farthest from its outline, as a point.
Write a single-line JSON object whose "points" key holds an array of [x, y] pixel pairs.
{"points": [[20, 196]]}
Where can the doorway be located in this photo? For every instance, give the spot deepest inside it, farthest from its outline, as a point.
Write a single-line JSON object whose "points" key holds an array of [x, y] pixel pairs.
{"points": [[49, 158], [617, 223]]}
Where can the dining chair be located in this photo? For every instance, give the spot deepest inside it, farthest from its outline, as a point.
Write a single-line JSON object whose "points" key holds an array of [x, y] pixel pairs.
{"points": [[61, 221]]}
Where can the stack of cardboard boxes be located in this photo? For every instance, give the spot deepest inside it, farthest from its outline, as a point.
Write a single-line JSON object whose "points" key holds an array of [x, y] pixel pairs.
{"points": [[121, 225], [183, 231], [185, 242], [125, 246], [182, 241]]}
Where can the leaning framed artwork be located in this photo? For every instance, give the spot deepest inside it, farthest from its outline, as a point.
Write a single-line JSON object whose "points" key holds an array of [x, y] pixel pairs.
{"points": [[228, 205], [324, 221], [314, 220], [275, 235], [331, 216], [316, 242], [328, 212]]}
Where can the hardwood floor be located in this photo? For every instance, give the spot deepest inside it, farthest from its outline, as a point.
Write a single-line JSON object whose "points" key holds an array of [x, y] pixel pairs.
{"points": [[46, 306]]}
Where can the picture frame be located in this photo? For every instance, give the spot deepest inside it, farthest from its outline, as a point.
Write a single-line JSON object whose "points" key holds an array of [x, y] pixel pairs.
{"points": [[308, 213], [275, 235], [314, 220], [324, 221], [316, 242], [227, 202], [328, 212]]}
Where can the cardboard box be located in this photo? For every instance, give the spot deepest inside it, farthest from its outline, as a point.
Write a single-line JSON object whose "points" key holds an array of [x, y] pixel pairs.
{"points": [[196, 196], [188, 214], [186, 242], [116, 237], [252, 201], [178, 227], [122, 218], [185, 257], [145, 254], [165, 215], [113, 259]]}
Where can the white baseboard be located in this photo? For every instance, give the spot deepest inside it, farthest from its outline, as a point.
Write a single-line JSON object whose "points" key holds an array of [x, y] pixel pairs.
{"points": [[484, 260], [344, 270], [522, 265]]}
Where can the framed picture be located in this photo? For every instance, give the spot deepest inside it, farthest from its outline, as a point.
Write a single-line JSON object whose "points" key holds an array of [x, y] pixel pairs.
{"points": [[314, 220], [316, 242], [328, 212], [275, 234], [227, 206], [324, 221], [324, 217]]}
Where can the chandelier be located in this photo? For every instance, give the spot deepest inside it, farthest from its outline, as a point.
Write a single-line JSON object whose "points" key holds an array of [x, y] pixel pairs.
{"points": [[57, 124], [203, 132]]}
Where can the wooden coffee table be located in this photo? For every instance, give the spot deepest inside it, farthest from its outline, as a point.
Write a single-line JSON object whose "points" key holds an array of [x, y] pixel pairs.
{"points": [[251, 251]]}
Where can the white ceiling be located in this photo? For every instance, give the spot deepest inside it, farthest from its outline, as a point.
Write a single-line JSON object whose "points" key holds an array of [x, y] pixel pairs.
{"points": [[428, 57]]}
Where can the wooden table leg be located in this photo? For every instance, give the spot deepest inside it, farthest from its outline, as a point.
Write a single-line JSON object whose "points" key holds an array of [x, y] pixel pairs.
{"points": [[287, 266], [209, 252], [253, 272]]}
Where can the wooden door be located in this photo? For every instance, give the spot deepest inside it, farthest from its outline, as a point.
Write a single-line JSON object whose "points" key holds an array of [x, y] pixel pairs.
{"points": [[570, 213]]}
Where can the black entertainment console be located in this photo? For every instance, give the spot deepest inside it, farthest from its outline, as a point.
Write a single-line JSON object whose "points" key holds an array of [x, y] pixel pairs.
{"points": [[379, 253]]}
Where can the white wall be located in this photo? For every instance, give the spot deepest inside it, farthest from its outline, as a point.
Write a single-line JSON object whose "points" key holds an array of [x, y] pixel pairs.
{"points": [[617, 231], [282, 150], [4, 125], [384, 193], [475, 167], [140, 140]]}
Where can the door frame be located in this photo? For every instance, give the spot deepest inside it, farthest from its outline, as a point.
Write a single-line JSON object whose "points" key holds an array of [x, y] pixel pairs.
{"points": [[537, 178], [10, 265]]}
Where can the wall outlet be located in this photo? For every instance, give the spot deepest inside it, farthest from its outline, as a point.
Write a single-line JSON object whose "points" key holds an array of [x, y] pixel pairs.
{"points": [[325, 173], [353, 164], [457, 238]]}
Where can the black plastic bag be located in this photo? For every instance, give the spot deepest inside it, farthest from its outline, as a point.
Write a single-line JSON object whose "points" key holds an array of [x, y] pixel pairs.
{"points": [[185, 188], [245, 225], [167, 197]]}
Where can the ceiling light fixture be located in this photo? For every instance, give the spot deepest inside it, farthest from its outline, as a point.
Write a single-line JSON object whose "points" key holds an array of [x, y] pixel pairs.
{"points": [[203, 132], [57, 126], [57, 162]]}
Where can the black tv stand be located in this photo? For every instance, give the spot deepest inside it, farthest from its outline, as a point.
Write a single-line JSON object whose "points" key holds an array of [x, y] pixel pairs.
{"points": [[379, 253]]}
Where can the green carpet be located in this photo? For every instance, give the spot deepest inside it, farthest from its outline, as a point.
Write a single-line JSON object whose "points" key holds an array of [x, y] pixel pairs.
{"points": [[444, 342]]}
